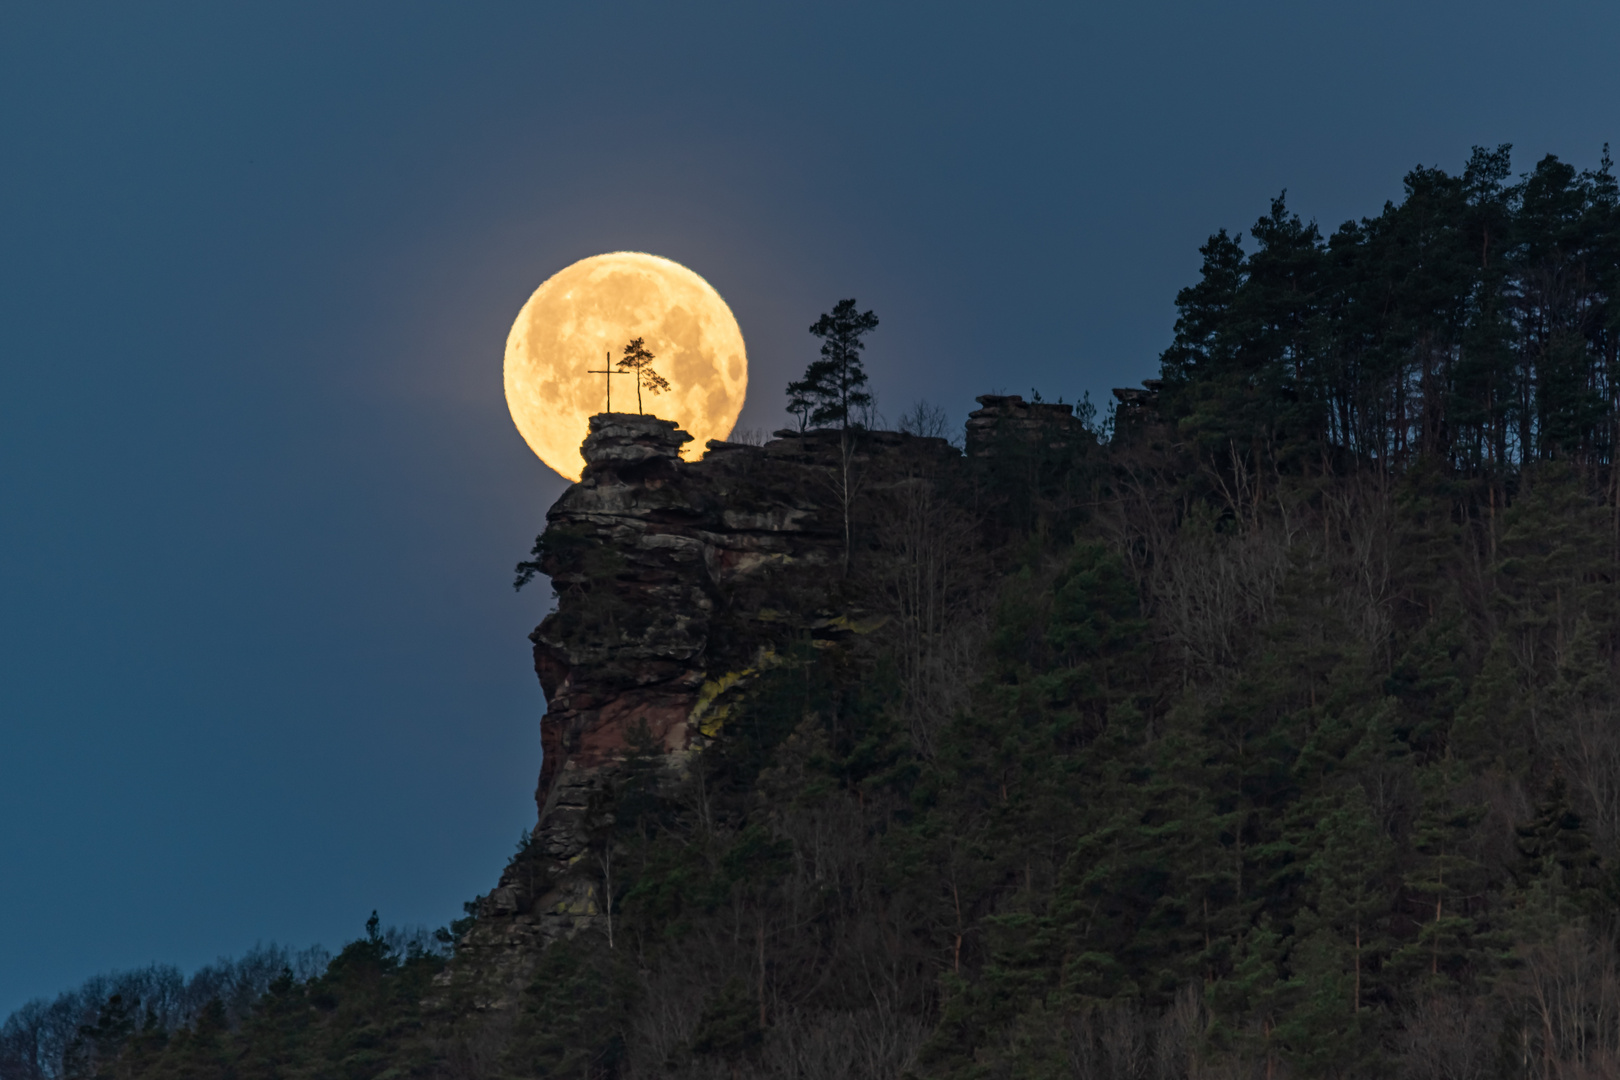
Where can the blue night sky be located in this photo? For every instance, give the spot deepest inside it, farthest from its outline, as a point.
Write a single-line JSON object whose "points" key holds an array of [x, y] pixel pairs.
{"points": [[261, 666]]}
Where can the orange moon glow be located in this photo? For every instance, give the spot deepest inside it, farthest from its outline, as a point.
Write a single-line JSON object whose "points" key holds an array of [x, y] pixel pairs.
{"points": [[595, 307]]}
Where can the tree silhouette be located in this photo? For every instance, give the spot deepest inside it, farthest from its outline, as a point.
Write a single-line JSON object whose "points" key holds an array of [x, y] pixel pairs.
{"points": [[831, 387], [638, 361]]}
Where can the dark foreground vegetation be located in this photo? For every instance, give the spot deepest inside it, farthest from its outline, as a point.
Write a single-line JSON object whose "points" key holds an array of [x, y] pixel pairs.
{"points": [[1276, 735]]}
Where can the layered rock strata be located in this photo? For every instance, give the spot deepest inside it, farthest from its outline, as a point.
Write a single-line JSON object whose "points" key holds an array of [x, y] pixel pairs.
{"points": [[670, 577], [1002, 420]]}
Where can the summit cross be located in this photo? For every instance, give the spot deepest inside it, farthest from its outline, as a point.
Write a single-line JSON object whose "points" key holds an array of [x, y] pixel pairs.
{"points": [[607, 374]]}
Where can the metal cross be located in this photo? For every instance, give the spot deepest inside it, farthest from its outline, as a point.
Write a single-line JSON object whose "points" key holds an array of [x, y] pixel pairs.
{"points": [[607, 374]]}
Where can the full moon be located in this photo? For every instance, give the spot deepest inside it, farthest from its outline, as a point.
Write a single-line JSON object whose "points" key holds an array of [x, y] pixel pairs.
{"points": [[584, 315]]}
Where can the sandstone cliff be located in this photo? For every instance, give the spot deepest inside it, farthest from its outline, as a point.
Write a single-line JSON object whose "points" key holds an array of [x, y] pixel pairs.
{"points": [[675, 583]]}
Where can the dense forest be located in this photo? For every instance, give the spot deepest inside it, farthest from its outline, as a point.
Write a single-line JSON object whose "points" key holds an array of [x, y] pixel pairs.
{"points": [[1272, 730]]}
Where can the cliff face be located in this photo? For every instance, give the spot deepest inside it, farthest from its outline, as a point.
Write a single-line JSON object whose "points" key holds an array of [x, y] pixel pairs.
{"points": [[662, 569], [673, 579], [645, 554], [675, 583]]}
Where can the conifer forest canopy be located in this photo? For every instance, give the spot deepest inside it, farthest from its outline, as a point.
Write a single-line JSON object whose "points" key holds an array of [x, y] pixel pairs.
{"points": [[1269, 728]]}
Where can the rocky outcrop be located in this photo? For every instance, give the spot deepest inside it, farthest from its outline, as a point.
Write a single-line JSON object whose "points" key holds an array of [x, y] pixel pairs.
{"points": [[1004, 421], [676, 583], [1142, 432], [672, 578], [1138, 406], [670, 573]]}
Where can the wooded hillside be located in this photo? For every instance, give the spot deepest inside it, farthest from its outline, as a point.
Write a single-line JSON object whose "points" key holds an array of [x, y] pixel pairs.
{"points": [[1273, 732]]}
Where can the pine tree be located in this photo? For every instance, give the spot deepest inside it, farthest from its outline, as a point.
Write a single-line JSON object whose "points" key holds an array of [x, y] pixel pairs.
{"points": [[637, 360], [1443, 888], [1557, 859], [1341, 934], [830, 392], [570, 1022]]}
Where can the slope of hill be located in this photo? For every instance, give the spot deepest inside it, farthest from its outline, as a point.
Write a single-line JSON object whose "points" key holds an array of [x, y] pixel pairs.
{"points": [[1276, 733]]}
